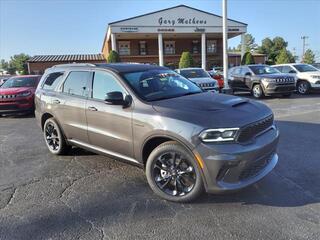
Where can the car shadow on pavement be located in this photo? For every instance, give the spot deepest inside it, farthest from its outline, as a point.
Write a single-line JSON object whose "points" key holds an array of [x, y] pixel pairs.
{"points": [[314, 94]]}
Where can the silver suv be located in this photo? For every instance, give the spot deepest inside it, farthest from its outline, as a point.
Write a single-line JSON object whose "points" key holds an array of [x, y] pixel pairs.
{"points": [[187, 140]]}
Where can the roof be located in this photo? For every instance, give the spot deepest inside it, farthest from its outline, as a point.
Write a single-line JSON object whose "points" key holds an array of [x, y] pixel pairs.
{"points": [[129, 67], [234, 54], [67, 58], [181, 5]]}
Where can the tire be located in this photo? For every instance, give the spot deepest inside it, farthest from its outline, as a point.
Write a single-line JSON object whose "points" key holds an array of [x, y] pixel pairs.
{"points": [[54, 138], [179, 182], [257, 91], [303, 87]]}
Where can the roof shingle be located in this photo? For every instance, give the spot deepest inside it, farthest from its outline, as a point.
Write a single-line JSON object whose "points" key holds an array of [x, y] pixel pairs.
{"points": [[67, 58]]}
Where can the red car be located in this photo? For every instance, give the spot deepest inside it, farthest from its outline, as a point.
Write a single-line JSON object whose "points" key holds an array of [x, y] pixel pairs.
{"points": [[17, 94], [217, 77]]}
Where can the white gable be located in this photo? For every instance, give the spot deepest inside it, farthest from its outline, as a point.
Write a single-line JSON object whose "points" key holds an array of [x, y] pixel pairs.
{"points": [[180, 16]]}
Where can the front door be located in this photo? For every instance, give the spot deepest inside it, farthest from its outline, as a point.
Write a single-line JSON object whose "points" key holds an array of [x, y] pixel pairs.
{"points": [[109, 126]]}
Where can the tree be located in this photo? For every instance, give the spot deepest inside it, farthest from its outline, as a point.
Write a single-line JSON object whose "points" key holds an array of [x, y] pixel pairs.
{"points": [[309, 57], [272, 48], [249, 43], [113, 57], [186, 60], [19, 63], [4, 64], [247, 59], [285, 56]]}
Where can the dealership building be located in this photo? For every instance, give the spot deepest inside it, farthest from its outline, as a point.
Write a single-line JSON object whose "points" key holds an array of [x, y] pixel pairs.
{"points": [[160, 38]]}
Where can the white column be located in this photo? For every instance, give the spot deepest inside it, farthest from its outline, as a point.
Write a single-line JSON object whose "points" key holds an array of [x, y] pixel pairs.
{"points": [[203, 51], [160, 46], [225, 43], [243, 46], [113, 42]]}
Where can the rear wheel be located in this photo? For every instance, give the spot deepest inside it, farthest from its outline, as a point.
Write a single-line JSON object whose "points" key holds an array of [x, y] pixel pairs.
{"points": [[54, 138], [257, 91], [303, 87], [173, 173]]}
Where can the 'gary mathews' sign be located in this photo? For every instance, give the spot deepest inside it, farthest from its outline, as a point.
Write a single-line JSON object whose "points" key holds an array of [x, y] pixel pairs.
{"points": [[182, 21]]}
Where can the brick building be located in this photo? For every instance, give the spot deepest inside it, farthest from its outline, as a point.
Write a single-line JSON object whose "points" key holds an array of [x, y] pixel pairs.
{"points": [[160, 37]]}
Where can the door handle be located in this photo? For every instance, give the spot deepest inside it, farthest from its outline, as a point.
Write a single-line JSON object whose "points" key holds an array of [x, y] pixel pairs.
{"points": [[56, 101], [92, 109]]}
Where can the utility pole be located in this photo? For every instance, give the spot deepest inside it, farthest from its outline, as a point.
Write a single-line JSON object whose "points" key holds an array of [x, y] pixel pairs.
{"points": [[303, 46], [226, 88]]}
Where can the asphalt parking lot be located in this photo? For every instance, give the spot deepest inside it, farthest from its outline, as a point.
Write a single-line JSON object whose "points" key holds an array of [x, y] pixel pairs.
{"points": [[87, 196]]}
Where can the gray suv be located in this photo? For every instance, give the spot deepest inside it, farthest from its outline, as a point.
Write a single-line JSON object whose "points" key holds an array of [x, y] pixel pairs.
{"points": [[187, 140]]}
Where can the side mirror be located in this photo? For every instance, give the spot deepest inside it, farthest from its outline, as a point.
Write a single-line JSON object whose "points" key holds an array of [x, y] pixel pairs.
{"points": [[248, 74], [116, 98], [292, 71]]}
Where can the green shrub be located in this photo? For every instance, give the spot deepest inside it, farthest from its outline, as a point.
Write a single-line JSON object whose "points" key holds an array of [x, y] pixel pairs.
{"points": [[247, 59], [113, 57], [186, 60]]}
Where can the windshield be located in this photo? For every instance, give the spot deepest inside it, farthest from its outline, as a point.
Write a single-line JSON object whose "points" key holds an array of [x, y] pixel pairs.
{"points": [[305, 68], [157, 84], [194, 73], [259, 70], [20, 82]]}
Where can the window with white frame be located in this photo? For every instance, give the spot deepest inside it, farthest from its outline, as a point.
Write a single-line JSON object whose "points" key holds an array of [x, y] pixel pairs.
{"points": [[211, 46], [195, 46], [143, 48], [169, 47], [124, 48]]}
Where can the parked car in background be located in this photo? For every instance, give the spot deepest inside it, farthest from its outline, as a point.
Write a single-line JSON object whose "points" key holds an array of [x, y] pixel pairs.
{"points": [[316, 65], [261, 80], [3, 79], [218, 70], [187, 140], [308, 77], [218, 77], [199, 77], [17, 94]]}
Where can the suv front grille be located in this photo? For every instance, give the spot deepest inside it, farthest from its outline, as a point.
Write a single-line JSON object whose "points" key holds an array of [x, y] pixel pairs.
{"points": [[250, 131], [7, 96], [285, 80], [206, 86]]}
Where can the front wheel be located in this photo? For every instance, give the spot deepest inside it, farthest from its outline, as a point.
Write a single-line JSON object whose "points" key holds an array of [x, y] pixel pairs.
{"points": [[173, 173], [257, 91], [303, 87], [54, 138]]}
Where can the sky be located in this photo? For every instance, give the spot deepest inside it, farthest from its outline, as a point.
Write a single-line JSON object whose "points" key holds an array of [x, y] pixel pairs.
{"points": [[38, 27]]}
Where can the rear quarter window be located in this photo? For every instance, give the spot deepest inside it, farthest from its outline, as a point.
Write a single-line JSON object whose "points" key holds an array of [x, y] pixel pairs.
{"points": [[52, 80]]}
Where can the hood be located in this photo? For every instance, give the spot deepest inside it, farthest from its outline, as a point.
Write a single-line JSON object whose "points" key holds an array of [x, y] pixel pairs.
{"points": [[202, 80], [308, 74], [11, 91], [275, 75], [212, 110]]}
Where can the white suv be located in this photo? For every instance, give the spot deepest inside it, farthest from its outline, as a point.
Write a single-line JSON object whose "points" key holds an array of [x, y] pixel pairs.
{"points": [[307, 75]]}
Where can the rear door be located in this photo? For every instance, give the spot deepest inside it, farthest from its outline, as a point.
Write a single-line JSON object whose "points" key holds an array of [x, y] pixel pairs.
{"points": [[109, 126], [69, 104], [236, 78]]}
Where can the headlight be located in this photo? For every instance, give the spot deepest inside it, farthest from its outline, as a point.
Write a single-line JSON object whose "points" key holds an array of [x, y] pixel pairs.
{"points": [[24, 94], [269, 80], [219, 135]]}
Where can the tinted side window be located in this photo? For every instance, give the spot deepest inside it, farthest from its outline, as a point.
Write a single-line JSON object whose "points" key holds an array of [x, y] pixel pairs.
{"points": [[76, 83], [244, 70], [52, 80], [286, 69], [103, 83], [236, 71], [279, 68]]}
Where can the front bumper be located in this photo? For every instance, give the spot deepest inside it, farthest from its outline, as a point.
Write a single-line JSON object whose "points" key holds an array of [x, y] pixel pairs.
{"points": [[16, 105], [271, 88], [233, 166]]}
